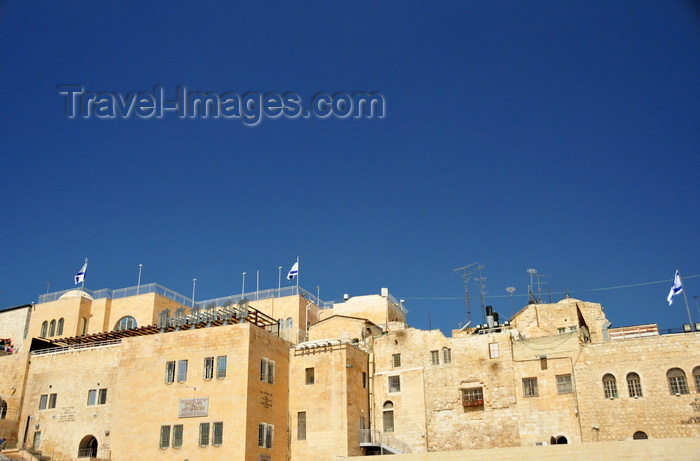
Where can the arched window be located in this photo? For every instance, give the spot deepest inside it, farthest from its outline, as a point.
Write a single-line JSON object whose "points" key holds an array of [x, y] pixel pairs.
{"points": [[639, 435], [677, 383], [125, 323], [610, 386], [52, 328], [88, 447], [388, 417], [59, 329], [3, 409], [696, 377], [44, 329], [634, 385]]}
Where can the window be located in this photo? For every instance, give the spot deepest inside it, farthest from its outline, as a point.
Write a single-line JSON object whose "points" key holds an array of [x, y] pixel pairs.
{"points": [[125, 323], [59, 328], [102, 397], [203, 434], [92, 397], [44, 329], [52, 328], [573, 328], [639, 435], [388, 414], [493, 351], [218, 436], [170, 372], [182, 371], [164, 436], [530, 387], [561, 330], [267, 371], [696, 377], [634, 385], [97, 397], [208, 368], [396, 360], [394, 383], [266, 433], [610, 386], [364, 380], [676, 381], [309, 376], [473, 397], [564, 384], [221, 367], [177, 436], [446, 355], [3, 409], [83, 326], [434, 358], [47, 401], [301, 425]]}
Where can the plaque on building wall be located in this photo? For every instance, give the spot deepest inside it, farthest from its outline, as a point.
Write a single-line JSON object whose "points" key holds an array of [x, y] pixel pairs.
{"points": [[192, 408]]}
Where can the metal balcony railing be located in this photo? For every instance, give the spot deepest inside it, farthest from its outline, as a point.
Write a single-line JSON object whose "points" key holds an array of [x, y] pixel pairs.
{"points": [[386, 441]]}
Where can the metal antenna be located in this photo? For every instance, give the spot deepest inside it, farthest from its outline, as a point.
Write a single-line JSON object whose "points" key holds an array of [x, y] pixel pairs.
{"points": [[511, 290], [465, 276], [481, 279]]}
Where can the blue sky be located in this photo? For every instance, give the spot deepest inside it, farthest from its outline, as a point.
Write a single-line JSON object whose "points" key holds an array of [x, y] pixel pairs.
{"points": [[561, 136]]}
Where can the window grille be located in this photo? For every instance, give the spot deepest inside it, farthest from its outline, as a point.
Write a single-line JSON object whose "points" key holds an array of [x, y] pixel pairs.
{"points": [[266, 434], [164, 436], [218, 436], [102, 397], [493, 350], [610, 386], [59, 328], [434, 358], [530, 387], [394, 383], [182, 371], [396, 360], [271, 372], [44, 329], [696, 377], [208, 368], [634, 385], [473, 397], [446, 355], [677, 383], [639, 435], [52, 328], [564, 385], [203, 434], [52, 400], [177, 436], [170, 372], [263, 369], [221, 367]]}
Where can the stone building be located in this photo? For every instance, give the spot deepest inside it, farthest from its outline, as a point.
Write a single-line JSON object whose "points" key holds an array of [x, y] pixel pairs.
{"points": [[146, 373]]}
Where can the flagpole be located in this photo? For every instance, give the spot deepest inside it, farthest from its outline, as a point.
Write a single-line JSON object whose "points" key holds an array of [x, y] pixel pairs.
{"points": [[297, 274], [279, 281], [82, 286], [692, 326]]}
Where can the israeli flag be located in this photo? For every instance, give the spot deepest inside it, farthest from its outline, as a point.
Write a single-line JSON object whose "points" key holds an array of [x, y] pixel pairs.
{"points": [[80, 276], [677, 288], [293, 271]]}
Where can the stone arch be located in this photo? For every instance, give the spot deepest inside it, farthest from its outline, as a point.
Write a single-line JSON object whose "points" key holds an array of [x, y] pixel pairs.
{"points": [[88, 447]]}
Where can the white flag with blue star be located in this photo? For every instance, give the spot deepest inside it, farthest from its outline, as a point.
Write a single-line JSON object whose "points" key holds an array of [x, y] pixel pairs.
{"points": [[677, 288], [80, 276], [294, 271]]}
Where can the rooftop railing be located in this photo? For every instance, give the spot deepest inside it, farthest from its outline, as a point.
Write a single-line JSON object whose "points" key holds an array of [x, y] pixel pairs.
{"points": [[185, 301], [58, 350]]}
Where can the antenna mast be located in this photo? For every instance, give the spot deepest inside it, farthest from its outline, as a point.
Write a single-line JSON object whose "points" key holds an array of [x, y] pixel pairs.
{"points": [[481, 279], [465, 276]]}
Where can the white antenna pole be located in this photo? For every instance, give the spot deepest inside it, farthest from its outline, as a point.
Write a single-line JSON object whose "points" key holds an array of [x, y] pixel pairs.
{"points": [[194, 285], [138, 283], [279, 281], [465, 276], [243, 287], [511, 290]]}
